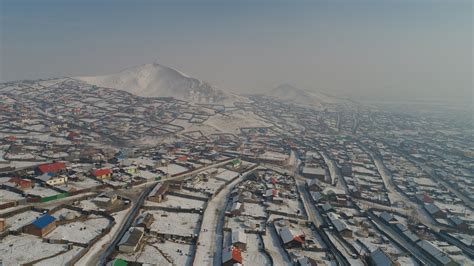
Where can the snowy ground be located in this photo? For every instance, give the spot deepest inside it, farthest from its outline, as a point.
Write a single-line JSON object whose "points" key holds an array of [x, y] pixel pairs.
{"points": [[21, 219], [253, 209], [86, 183], [62, 211], [170, 249], [175, 201], [81, 232], [288, 206], [274, 248], [226, 174], [88, 205], [98, 246], [173, 169], [16, 250], [8, 196], [211, 186], [148, 254], [232, 123], [206, 248], [253, 255], [62, 259], [243, 222], [42, 191], [167, 222]]}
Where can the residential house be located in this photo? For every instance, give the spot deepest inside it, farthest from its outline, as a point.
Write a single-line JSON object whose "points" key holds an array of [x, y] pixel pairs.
{"points": [[379, 258], [21, 183], [131, 240], [239, 239], [434, 211], [53, 180], [51, 168], [314, 173], [291, 239], [102, 174], [158, 192], [41, 226], [231, 256], [144, 220]]}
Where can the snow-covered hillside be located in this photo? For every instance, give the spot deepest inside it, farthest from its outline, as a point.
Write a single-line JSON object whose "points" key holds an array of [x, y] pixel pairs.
{"points": [[288, 92], [155, 80]]}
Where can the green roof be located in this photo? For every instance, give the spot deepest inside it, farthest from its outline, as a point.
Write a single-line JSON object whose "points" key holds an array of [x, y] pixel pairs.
{"points": [[120, 262]]}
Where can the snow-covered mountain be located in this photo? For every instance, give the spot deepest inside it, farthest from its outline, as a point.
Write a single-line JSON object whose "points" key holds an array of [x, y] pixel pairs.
{"points": [[290, 93], [155, 80]]}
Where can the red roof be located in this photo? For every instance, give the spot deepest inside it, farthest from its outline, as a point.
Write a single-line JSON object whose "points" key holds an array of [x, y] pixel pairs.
{"points": [[274, 192], [72, 135], [101, 172], [182, 158], [427, 198], [20, 182], [11, 138], [299, 239], [237, 255], [52, 167], [274, 180]]}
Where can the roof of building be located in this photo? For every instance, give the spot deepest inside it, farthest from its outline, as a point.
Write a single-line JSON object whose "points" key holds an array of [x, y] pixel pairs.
{"points": [[313, 171], [43, 221], [238, 236], [379, 257], [287, 235], [159, 189], [410, 235], [317, 196], [232, 254], [132, 237], [340, 225], [387, 217], [434, 251], [52, 167], [20, 181], [144, 218], [456, 220], [431, 208], [327, 207], [101, 172]]}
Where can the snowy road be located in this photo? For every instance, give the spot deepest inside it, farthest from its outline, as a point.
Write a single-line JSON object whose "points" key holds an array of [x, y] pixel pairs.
{"points": [[206, 249]]}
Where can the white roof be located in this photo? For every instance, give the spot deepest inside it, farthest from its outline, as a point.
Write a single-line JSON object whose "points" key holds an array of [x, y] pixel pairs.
{"points": [[239, 236]]}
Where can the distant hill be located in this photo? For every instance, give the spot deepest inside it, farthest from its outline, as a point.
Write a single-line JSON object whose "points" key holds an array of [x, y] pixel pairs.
{"points": [[155, 80], [287, 92]]}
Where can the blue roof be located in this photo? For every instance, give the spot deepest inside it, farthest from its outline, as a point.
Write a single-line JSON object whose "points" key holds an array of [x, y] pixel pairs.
{"points": [[43, 221]]}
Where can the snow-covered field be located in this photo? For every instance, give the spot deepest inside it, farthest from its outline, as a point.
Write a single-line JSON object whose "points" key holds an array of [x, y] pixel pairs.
{"points": [[177, 202], [253, 209], [42, 191], [7, 196], [253, 255], [289, 206], [178, 258], [21, 219], [226, 174], [61, 259], [148, 254], [173, 169], [273, 246], [81, 232], [86, 183], [231, 123], [211, 186], [16, 250], [167, 222]]}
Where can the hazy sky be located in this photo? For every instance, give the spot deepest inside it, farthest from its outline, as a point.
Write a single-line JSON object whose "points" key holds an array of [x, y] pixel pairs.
{"points": [[380, 49]]}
